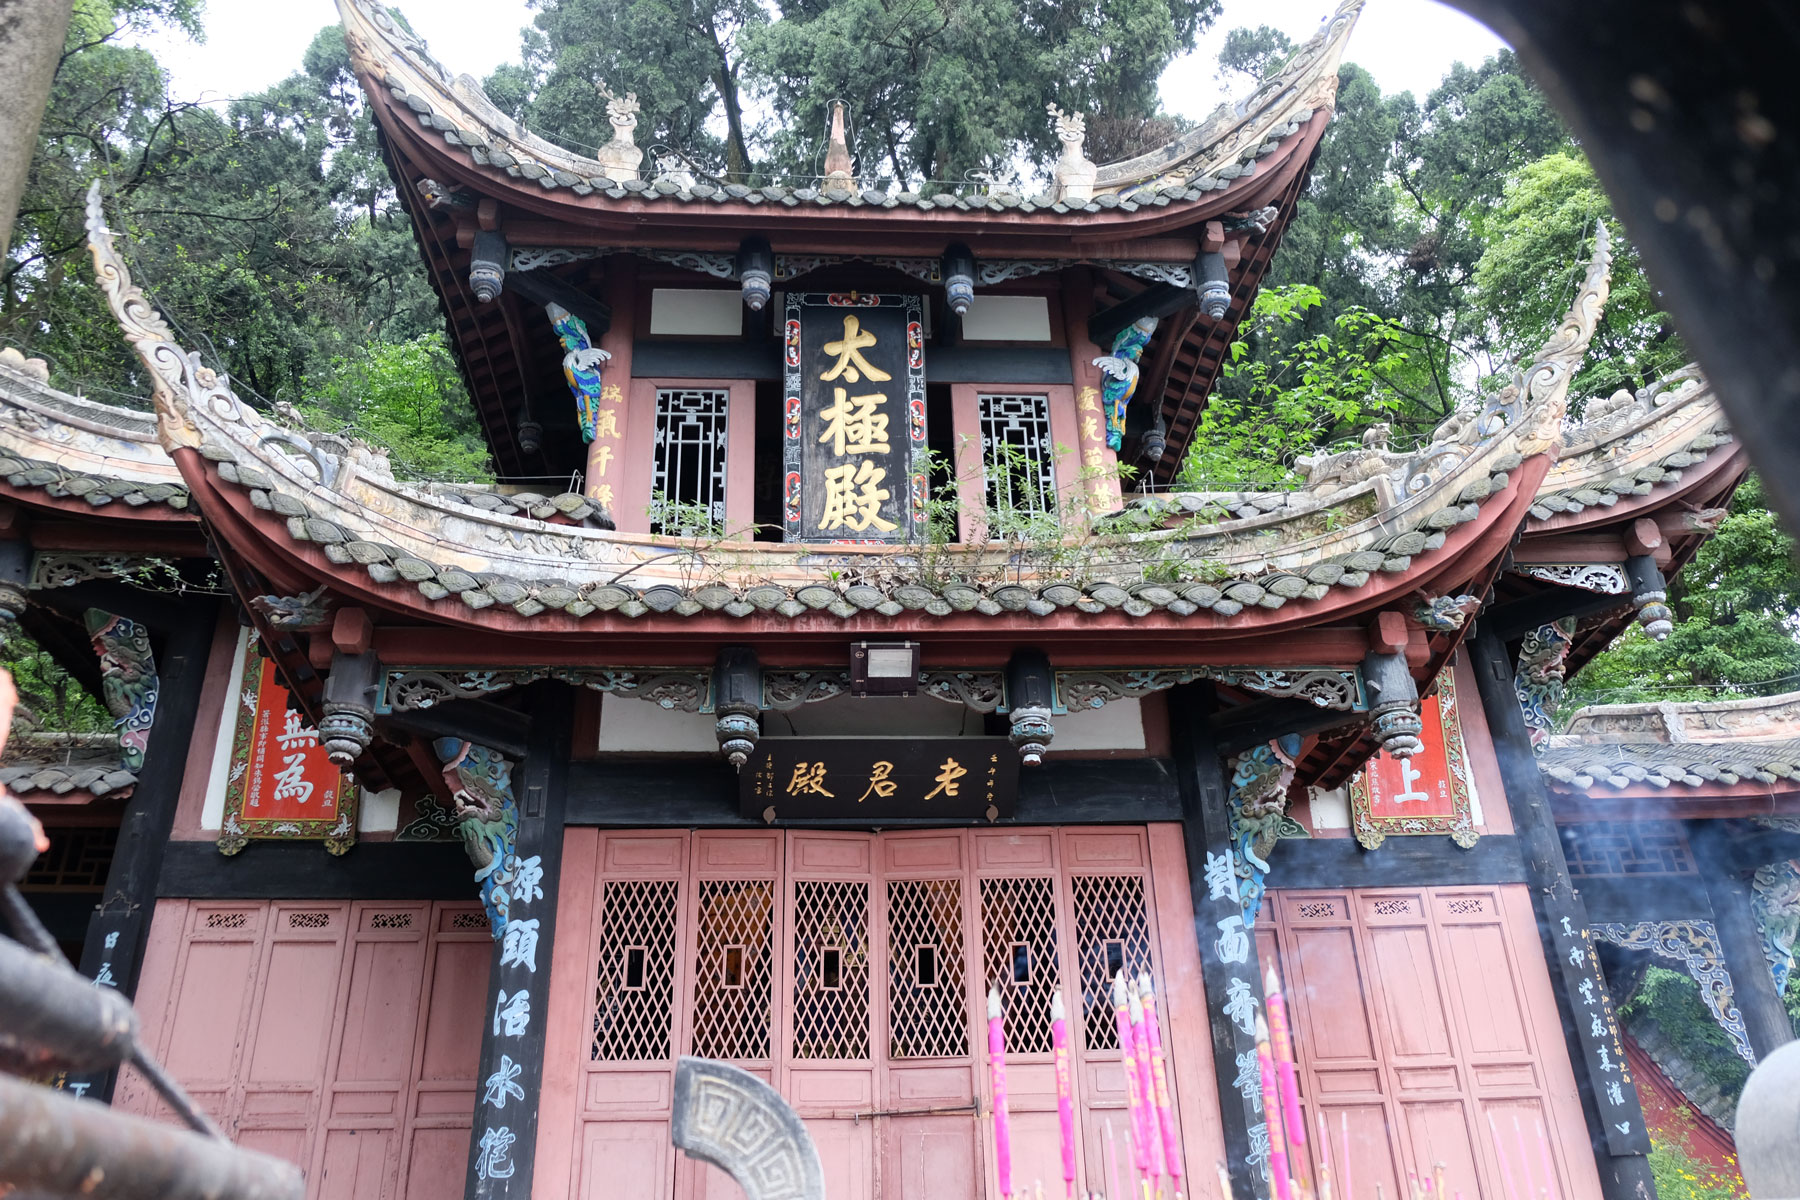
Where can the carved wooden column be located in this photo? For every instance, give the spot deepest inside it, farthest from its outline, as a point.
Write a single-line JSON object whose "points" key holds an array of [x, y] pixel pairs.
{"points": [[1609, 1098], [1230, 968], [113, 952], [503, 1139]]}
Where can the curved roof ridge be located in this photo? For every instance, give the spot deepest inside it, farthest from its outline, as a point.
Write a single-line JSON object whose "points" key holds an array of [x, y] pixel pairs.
{"points": [[1308, 80], [1223, 148]]}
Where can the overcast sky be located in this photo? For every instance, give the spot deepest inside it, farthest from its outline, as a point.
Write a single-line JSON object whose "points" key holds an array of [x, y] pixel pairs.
{"points": [[1405, 44]]}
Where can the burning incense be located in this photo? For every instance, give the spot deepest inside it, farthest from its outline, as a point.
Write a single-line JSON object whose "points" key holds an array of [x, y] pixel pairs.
{"points": [[997, 1075], [1524, 1159], [1134, 1097], [1412, 1186], [1344, 1127], [1500, 1153], [1441, 1187], [1224, 1183], [1324, 1144], [1065, 1092], [1140, 1049], [1159, 1077], [1549, 1164], [1281, 1041], [1278, 1159]]}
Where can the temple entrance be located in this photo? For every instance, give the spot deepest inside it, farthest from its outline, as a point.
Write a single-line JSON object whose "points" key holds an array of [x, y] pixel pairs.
{"points": [[849, 971]]}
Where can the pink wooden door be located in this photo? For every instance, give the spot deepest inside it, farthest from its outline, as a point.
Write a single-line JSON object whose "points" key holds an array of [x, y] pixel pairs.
{"points": [[832, 981], [850, 971], [312, 1031], [1424, 1022], [932, 1003]]}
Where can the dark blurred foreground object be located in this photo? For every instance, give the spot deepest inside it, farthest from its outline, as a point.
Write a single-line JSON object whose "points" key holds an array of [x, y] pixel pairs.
{"points": [[51, 1019], [1768, 1127], [31, 46], [1688, 111]]}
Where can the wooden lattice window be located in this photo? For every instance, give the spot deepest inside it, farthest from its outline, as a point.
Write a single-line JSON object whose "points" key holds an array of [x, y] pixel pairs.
{"points": [[1018, 454], [635, 985], [78, 860], [689, 462], [733, 969], [1112, 934], [831, 970], [927, 1008], [1019, 953]]}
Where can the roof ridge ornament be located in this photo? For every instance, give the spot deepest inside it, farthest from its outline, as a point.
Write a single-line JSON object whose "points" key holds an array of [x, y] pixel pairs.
{"points": [[622, 155], [838, 164], [1075, 173], [178, 377]]}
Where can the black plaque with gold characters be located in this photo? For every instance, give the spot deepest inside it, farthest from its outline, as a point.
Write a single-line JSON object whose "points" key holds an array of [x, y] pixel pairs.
{"points": [[971, 779], [853, 420]]}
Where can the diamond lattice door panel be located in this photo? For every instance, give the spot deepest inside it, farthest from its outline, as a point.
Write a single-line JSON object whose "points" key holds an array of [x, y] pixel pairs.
{"points": [[850, 971]]}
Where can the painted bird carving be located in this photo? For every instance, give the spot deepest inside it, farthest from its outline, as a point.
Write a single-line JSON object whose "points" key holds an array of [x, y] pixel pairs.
{"points": [[582, 361], [1121, 371]]}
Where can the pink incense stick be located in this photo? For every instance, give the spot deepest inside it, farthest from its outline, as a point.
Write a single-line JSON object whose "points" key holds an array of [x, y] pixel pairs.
{"points": [[1140, 1148], [1524, 1158], [1344, 1127], [1112, 1160], [997, 1075], [1065, 1092], [1140, 1049], [1159, 1076], [1278, 1159], [1506, 1177], [1281, 1042], [1324, 1145], [1549, 1165]]}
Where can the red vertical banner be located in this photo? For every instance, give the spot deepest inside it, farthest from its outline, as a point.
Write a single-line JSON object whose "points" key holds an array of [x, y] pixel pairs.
{"points": [[281, 782], [1427, 793]]}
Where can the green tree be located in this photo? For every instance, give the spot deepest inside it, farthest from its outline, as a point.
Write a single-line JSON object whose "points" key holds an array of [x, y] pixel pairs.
{"points": [[1734, 605], [942, 88], [408, 399], [1255, 53], [1538, 242], [683, 58], [1300, 392], [1397, 215], [269, 234]]}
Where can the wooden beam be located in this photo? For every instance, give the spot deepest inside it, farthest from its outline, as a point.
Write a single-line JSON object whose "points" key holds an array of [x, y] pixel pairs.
{"points": [[117, 929], [1615, 1128], [303, 871], [643, 794], [1206, 832], [1518, 618], [1159, 300], [1401, 862]]}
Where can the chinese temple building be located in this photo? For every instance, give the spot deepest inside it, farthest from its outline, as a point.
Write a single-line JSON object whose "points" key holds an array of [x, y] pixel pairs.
{"points": [[839, 681]]}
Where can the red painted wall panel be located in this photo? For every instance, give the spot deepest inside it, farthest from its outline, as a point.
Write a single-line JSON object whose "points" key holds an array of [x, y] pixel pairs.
{"points": [[341, 1036], [1425, 1020]]}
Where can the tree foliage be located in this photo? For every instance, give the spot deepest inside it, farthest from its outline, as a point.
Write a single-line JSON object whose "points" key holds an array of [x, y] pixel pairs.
{"points": [[936, 88], [1735, 631], [407, 398], [1301, 392]]}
